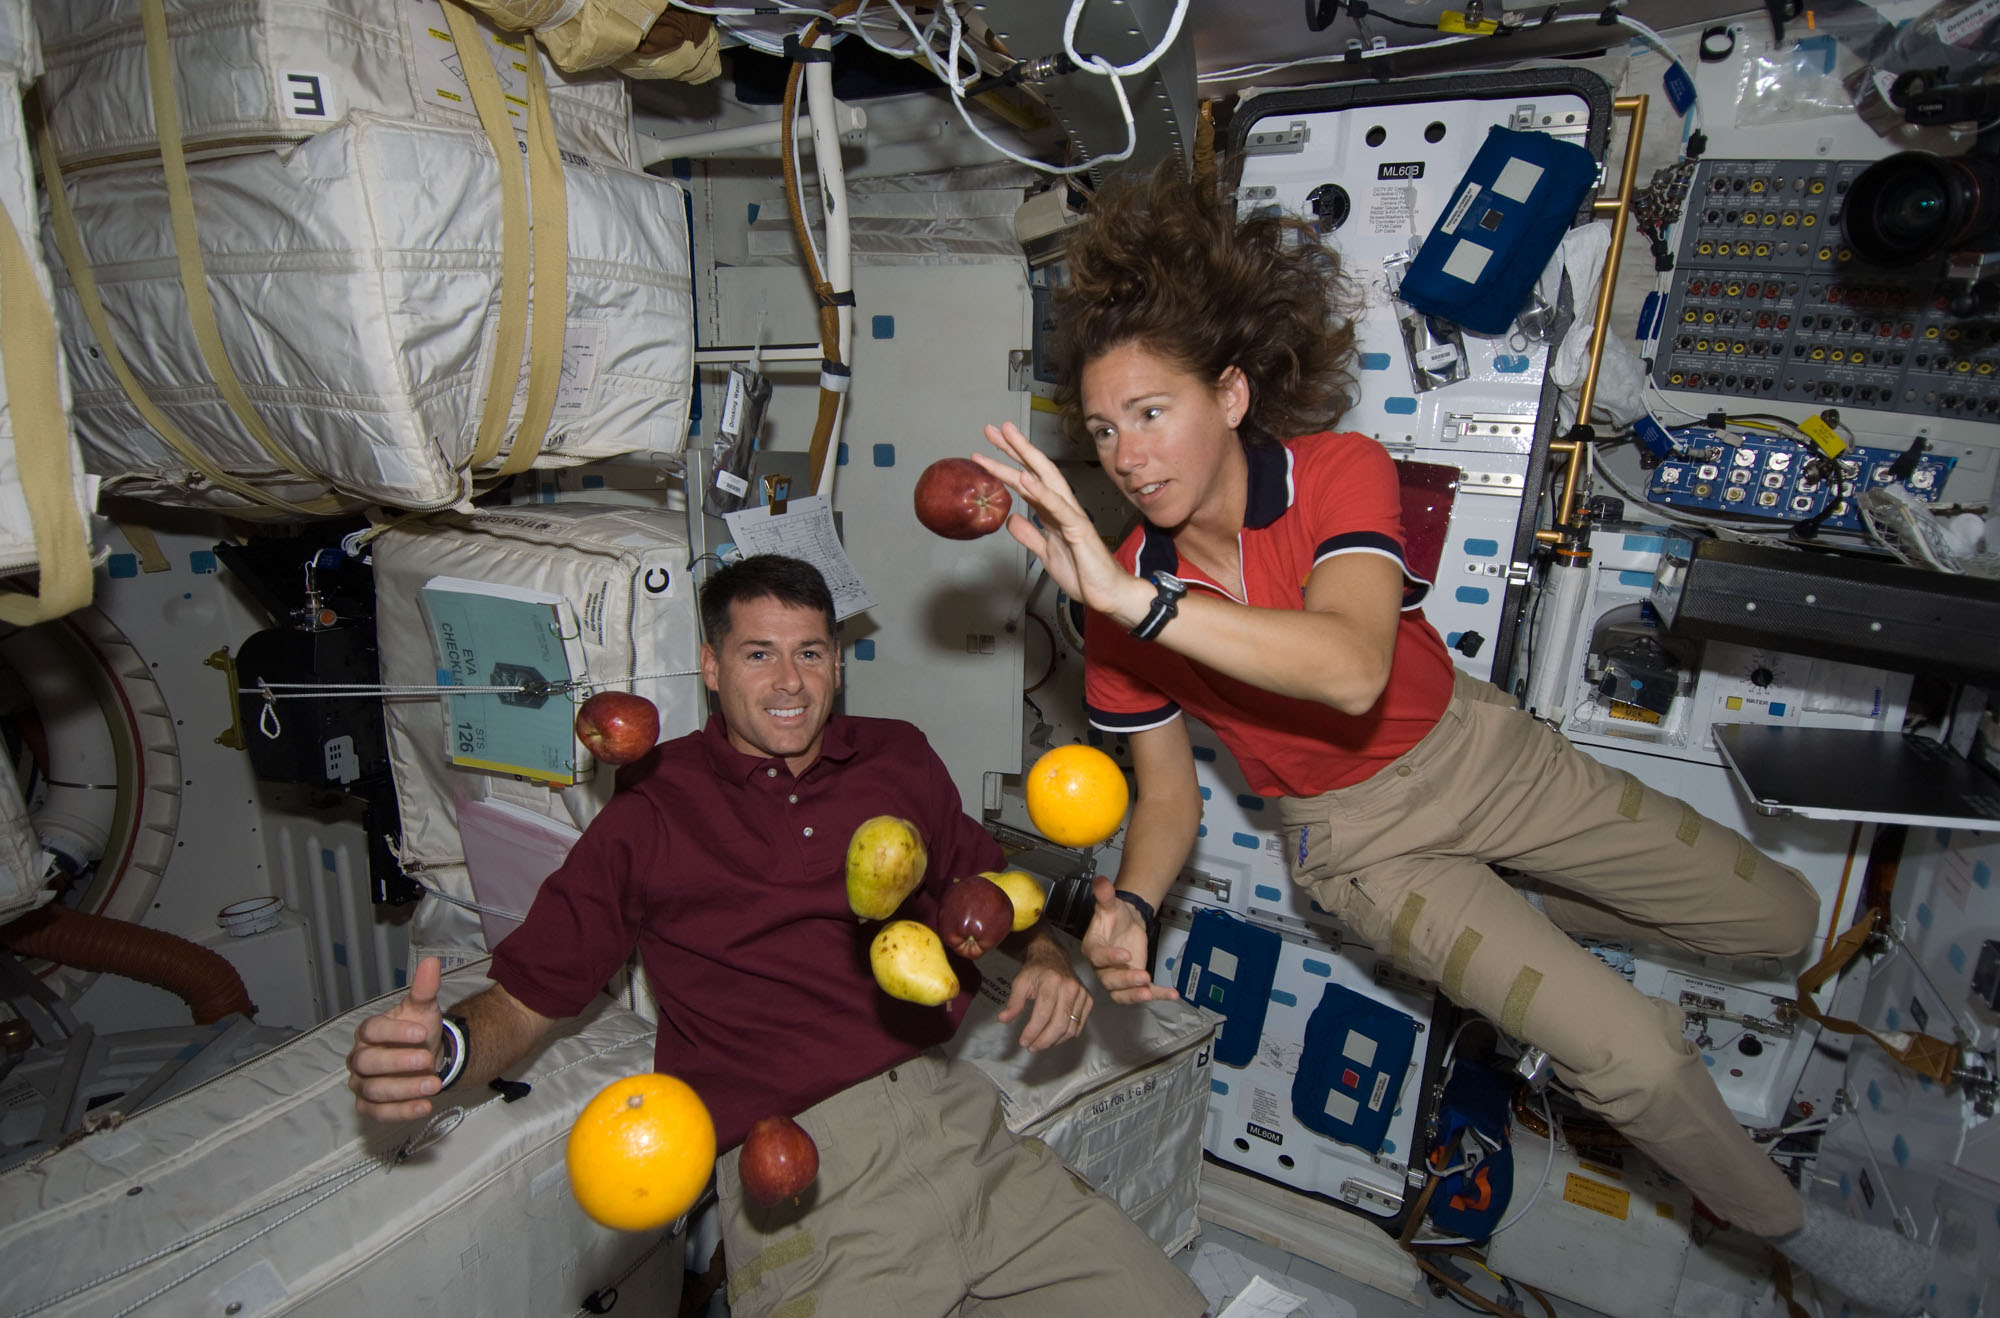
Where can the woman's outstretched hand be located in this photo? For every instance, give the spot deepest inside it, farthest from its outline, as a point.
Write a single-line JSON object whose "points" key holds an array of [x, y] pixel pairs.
{"points": [[1067, 542]]}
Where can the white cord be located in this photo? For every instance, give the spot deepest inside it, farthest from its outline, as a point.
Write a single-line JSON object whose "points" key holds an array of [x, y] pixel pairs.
{"points": [[948, 73], [1137, 66]]}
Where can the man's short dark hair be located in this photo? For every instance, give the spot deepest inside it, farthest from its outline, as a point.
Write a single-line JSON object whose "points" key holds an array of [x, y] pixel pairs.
{"points": [[790, 581]]}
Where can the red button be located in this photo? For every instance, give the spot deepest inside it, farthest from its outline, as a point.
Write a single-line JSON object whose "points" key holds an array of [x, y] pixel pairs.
{"points": [[1349, 1080]]}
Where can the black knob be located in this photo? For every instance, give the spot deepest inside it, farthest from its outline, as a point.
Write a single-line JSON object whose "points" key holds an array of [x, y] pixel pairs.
{"points": [[1469, 644], [1750, 1045], [1761, 677]]}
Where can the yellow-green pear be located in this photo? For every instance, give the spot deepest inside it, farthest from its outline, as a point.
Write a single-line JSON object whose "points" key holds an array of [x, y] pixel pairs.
{"points": [[885, 863], [909, 963], [1024, 892]]}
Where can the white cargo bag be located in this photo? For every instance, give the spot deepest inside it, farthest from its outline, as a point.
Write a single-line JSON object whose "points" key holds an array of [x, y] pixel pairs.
{"points": [[356, 283], [624, 572], [1124, 1105], [262, 1192], [265, 71], [45, 498]]}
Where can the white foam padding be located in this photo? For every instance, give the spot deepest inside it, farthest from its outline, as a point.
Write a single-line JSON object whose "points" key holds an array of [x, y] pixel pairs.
{"points": [[624, 572], [264, 70], [356, 281], [310, 1212], [1123, 1104]]}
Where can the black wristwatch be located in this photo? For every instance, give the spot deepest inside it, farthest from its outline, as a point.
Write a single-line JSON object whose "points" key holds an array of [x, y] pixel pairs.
{"points": [[1166, 603], [1151, 919]]}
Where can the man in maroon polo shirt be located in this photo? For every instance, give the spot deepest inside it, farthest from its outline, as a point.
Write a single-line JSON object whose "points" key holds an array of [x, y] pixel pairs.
{"points": [[721, 859]]}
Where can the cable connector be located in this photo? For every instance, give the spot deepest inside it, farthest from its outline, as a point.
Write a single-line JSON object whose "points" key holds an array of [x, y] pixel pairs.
{"points": [[1697, 143]]}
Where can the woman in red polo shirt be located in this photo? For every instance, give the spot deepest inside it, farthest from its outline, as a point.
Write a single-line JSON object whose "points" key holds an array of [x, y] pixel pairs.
{"points": [[1265, 592]]}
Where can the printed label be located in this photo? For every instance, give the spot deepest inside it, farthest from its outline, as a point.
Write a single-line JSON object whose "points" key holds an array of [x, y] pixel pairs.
{"points": [[731, 482], [1391, 210], [1597, 1196], [1381, 1091], [1264, 1134], [1459, 208], [303, 94], [732, 405], [1967, 23], [1405, 169]]}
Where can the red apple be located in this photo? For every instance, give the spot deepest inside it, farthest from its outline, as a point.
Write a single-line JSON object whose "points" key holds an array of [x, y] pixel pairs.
{"points": [[617, 727], [961, 500], [779, 1160], [974, 915]]}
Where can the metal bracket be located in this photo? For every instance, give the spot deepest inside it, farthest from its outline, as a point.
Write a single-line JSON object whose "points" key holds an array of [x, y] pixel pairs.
{"points": [[1290, 140]]}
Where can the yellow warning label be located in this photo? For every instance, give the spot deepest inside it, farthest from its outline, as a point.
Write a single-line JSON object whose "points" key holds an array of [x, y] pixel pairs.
{"points": [[1665, 1210], [1597, 1196], [1824, 435]]}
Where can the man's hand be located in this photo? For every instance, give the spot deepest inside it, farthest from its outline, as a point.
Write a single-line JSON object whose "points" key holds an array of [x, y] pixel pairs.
{"points": [[1047, 989], [393, 1067], [1115, 942]]}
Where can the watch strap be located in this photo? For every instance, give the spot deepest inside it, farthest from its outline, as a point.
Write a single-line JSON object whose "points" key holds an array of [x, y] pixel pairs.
{"points": [[455, 1050]]}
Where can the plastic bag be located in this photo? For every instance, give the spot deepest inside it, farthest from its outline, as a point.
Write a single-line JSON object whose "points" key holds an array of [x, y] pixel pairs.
{"points": [[1955, 42]]}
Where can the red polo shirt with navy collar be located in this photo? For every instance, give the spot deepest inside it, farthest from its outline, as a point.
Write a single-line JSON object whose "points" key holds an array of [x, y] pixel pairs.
{"points": [[729, 876], [1310, 499]]}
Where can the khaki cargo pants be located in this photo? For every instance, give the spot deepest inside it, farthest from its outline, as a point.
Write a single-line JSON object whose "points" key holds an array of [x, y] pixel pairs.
{"points": [[1402, 859], [927, 1205]]}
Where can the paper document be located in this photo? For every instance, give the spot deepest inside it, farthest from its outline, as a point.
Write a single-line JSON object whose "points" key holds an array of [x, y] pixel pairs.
{"points": [[804, 530], [490, 634], [1260, 1299]]}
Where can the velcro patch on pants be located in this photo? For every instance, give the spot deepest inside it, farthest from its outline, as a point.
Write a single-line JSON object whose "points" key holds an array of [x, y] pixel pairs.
{"points": [[791, 1249], [1514, 1012], [1746, 859], [1460, 959], [1631, 798], [1690, 826], [802, 1307], [1406, 925]]}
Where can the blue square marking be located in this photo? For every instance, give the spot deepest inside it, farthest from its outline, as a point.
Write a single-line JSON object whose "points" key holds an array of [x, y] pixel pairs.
{"points": [[122, 565], [885, 455], [1249, 802], [864, 650], [1248, 841], [840, 459], [882, 327], [202, 561]]}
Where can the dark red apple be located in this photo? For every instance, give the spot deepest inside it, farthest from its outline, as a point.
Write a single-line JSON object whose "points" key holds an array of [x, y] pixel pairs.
{"points": [[961, 500], [617, 727], [779, 1160], [974, 916]]}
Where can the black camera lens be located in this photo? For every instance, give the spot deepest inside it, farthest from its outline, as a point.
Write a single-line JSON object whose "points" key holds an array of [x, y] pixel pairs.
{"points": [[1914, 205]]}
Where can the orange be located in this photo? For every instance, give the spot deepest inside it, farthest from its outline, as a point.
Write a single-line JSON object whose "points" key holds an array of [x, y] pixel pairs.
{"points": [[1077, 796], [641, 1152]]}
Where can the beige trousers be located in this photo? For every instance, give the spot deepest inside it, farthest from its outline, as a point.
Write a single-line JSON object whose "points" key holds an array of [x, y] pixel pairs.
{"points": [[927, 1205], [1402, 859]]}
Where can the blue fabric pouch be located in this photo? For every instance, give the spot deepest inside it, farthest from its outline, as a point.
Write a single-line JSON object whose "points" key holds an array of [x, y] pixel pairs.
{"points": [[1505, 219], [1350, 1075], [1229, 966], [1473, 1121]]}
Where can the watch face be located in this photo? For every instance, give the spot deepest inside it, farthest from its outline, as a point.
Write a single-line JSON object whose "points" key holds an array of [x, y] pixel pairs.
{"points": [[1168, 581]]}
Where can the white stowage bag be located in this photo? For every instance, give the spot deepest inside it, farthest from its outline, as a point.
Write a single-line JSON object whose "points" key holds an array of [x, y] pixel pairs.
{"points": [[1125, 1105], [624, 572], [356, 279], [277, 70], [20, 63], [262, 1192]]}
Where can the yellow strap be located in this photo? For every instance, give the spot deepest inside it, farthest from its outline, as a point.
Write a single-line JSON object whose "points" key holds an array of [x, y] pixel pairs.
{"points": [[512, 331], [41, 440], [546, 188], [1926, 1055], [187, 242], [70, 243]]}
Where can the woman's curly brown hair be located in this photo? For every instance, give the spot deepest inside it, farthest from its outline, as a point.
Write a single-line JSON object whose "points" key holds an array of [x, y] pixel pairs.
{"points": [[1167, 264]]}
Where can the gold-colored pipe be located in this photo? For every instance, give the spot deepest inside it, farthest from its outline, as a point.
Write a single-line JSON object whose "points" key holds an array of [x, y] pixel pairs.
{"points": [[1620, 209]]}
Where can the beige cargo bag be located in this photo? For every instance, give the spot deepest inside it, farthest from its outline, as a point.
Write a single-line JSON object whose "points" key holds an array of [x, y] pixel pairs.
{"points": [[358, 285], [262, 1193], [268, 71], [624, 572], [1124, 1105], [45, 498]]}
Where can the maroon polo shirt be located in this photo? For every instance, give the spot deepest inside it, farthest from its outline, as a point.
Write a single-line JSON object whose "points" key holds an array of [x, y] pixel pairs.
{"points": [[729, 876]]}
